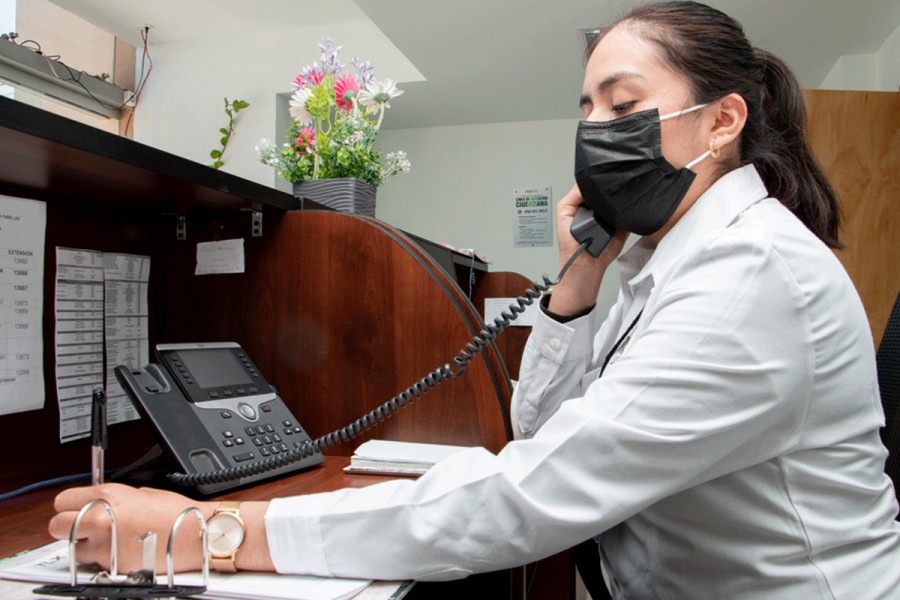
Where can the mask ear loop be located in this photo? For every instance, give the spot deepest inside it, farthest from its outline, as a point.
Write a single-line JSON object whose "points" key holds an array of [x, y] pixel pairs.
{"points": [[714, 152], [683, 112], [699, 158]]}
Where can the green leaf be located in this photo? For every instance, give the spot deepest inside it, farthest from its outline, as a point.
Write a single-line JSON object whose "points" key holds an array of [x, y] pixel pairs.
{"points": [[320, 102], [215, 154], [224, 140], [223, 131], [217, 164], [239, 104]]}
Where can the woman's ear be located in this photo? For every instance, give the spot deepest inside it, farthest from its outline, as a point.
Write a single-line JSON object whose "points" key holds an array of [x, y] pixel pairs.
{"points": [[730, 117]]}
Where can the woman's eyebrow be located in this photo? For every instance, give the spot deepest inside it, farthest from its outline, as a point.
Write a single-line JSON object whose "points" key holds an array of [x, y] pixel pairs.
{"points": [[616, 78], [607, 83]]}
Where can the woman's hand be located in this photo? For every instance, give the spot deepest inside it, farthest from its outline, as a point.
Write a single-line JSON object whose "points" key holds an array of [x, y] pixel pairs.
{"points": [[579, 287], [137, 511]]}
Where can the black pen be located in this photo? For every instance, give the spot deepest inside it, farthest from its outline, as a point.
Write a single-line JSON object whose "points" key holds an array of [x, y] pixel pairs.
{"points": [[98, 435]]}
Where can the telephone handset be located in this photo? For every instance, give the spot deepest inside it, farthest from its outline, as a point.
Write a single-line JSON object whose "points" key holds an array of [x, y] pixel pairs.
{"points": [[587, 228], [212, 409]]}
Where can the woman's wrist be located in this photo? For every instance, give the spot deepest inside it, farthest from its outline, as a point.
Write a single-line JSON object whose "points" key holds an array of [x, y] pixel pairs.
{"points": [[254, 552], [576, 292], [545, 306]]}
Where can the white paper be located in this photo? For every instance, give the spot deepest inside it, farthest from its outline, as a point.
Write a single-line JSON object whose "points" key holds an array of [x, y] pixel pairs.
{"points": [[226, 256], [23, 225], [101, 298], [50, 564], [494, 307], [126, 312]]}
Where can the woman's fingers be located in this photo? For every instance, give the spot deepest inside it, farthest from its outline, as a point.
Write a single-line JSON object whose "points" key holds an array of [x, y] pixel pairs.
{"points": [[137, 511]]}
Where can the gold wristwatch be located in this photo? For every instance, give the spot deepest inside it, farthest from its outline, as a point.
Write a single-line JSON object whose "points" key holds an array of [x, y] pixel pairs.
{"points": [[226, 534]]}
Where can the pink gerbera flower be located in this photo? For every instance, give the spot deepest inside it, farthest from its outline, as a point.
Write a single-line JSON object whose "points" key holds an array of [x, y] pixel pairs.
{"points": [[345, 89], [305, 140]]}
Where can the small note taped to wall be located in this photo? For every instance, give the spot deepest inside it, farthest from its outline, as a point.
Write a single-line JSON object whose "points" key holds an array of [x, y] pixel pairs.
{"points": [[226, 256], [494, 307]]}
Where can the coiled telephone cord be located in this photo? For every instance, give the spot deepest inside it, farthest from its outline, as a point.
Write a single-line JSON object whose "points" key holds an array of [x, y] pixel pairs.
{"points": [[403, 399]]}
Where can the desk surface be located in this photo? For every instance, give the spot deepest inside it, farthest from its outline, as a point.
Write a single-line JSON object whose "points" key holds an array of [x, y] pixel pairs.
{"points": [[23, 526], [23, 520]]}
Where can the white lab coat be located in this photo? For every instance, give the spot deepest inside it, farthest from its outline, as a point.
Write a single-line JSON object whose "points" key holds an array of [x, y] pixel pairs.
{"points": [[730, 449]]}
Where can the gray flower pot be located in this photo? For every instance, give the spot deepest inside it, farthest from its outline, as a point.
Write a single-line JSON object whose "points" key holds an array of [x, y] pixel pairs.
{"points": [[344, 194]]}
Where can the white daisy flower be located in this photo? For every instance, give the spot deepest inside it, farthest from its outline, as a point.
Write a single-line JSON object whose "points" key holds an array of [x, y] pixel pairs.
{"points": [[298, 106], [379, 92]]}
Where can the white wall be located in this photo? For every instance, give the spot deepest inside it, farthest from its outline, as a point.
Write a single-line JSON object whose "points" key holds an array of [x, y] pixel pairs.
{"points": [[7, 17], [460, 188], [876, 72]]}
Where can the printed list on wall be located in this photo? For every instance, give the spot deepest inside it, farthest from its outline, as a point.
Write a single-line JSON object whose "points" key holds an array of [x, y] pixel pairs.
{"points": [[23, 224], [101, 302]]}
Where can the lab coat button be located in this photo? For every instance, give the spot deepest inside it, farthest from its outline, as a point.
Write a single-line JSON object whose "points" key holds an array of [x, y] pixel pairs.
{"points": [[555, 344]]}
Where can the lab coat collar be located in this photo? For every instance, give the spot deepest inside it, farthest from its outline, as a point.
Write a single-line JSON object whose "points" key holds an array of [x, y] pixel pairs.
{"points": [[718, 207]]}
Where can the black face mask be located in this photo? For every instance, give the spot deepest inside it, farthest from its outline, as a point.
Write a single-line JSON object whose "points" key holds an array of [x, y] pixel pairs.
{"points": [[623, 176]]}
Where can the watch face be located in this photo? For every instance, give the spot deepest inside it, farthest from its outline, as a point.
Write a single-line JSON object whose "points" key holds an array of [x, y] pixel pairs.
{"points": [[226, 532]]}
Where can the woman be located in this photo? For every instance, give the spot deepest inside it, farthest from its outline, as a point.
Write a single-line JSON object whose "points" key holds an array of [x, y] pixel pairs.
{"points": [[722, 433]]}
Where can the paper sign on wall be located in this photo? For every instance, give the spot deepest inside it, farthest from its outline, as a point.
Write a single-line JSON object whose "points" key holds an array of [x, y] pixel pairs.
{"points": [[23, 224], [532, 217]]}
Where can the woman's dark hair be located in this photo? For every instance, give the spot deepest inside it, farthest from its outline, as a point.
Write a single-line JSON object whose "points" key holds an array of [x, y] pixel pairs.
{"points": [[710, 50]]}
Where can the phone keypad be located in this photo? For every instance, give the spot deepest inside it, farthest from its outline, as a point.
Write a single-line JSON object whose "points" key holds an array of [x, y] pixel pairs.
{"points": [[267, 438], [264, 437]]}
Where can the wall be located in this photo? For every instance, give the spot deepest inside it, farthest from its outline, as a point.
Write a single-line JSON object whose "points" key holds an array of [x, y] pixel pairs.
{"points": [[876, 72]]}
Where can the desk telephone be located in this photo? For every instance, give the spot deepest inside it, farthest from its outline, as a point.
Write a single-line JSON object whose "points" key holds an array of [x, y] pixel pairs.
{"points": [[212, 409], [224, 424]]}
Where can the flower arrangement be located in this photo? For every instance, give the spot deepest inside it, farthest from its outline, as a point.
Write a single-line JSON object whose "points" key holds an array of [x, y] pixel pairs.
{"points": [[335, 117]]}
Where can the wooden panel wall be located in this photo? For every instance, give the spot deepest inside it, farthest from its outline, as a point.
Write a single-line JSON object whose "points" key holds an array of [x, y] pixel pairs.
{"points": [[856, 138], [341, 315]]}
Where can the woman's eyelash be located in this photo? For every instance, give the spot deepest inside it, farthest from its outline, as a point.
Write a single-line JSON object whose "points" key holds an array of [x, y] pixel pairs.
{"points": [[622, 106]]}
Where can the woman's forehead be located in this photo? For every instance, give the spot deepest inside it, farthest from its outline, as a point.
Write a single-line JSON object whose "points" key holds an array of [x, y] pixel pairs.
{"points": [[624, 49], [623, 53]]}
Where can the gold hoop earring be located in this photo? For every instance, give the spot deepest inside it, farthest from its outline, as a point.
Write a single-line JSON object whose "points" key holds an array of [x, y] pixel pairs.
{"points": [[713, 151]]}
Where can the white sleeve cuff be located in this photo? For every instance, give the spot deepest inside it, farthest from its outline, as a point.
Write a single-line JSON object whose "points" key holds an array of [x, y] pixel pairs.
{"points": [[294, 537]]}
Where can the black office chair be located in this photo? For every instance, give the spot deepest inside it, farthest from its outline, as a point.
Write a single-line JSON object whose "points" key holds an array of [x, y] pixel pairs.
{"points": [[888, 362]]}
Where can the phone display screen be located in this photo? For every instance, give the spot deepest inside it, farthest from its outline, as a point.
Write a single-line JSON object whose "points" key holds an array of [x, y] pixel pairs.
{"points": [[214, 367]]}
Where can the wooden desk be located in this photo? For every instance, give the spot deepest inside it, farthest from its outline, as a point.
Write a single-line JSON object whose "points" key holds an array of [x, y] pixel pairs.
{"points": [[23, 526]]}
